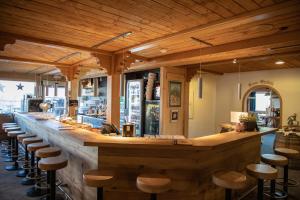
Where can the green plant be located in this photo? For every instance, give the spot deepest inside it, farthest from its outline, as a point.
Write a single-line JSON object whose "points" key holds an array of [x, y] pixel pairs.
{"points": [[248, 118]]}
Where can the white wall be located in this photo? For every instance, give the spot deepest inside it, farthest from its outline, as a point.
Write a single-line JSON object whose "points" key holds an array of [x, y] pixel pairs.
{"points": [[202, 111], [220, 97], [286, 82]]}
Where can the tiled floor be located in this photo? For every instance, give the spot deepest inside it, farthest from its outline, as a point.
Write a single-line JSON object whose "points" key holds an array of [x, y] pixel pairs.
{"points": [[11, 189]]}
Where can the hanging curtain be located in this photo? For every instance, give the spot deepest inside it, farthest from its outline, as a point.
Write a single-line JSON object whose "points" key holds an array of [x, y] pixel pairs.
{"points": [[252, 101]]}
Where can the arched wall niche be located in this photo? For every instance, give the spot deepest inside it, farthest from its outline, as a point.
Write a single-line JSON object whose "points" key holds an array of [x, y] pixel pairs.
{"points": [[258, 87]]}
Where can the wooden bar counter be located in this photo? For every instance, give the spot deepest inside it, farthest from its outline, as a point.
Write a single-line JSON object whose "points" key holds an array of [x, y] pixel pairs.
{"points": [[189, 162]]}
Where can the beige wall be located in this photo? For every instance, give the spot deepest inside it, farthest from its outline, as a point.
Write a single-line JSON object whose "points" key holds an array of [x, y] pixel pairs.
{"points": [[224, 97], [202, 112]]}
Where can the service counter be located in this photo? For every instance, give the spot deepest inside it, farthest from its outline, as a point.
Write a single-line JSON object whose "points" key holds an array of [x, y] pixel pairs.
{"points": [[189, 162]]}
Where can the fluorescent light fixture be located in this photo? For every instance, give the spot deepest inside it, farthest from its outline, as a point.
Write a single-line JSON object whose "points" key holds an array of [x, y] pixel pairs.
{"points": [[142, 47], [279, 62]]}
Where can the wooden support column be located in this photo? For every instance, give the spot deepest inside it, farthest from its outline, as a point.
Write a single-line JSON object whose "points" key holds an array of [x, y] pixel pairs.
{"points": [[113, 93], [74, 88]]}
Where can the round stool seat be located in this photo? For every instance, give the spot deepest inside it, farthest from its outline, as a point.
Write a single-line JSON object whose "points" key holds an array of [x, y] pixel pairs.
{"points": [[15, 133], [26, 135], [8, 125], [262, 171], [289, 153], [273, 159], [153, 183], [53, 163], [36, 146], [15, 128], [230, 179], [32, 140], [98, 178], [48, 152]]}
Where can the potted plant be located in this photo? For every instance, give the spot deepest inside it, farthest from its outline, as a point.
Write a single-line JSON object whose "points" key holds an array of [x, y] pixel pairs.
{"points": [[249, 122]]}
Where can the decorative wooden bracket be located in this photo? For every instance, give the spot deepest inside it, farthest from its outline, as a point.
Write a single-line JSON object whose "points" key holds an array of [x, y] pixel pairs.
{"points": [[123, 62], [104, 61], [191, 72], [4, 41], [70, 72]]}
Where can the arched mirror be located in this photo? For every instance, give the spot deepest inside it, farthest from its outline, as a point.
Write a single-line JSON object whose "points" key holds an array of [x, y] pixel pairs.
{"points": [[266, 103]]}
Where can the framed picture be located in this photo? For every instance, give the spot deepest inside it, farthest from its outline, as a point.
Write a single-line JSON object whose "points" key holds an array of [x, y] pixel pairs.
{"points": [[174, 116], [174, 94]]}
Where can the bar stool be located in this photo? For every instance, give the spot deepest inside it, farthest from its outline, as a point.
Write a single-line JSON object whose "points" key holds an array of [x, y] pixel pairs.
{"points": [[50, 165], [10, 145], [275, 160], [261, 172], [99, 179], [230, 180], [26, 142], [15, 150], [289, 153], [32, 148], [25, 159], [153, 184]]}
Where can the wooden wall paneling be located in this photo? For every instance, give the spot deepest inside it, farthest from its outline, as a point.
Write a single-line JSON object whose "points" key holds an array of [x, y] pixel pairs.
{"points": [[190, 170], [166, 126]]}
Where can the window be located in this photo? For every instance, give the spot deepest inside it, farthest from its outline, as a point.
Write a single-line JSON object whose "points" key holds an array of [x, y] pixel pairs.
{"points": [[11, 98], [262, 102]]}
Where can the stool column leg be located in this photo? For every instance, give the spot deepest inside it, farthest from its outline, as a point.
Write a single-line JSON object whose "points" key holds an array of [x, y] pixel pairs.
{"points": [[52, 185], [153, 196], [272, 188], [100, 193], [26, 160], [260, 189], [32, 165], [285, 178], [228, 194], [48, 186], [16, 152]]}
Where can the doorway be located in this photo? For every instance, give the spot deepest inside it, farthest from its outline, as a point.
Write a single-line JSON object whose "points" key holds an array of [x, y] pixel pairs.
{"points": [[265, 103]]}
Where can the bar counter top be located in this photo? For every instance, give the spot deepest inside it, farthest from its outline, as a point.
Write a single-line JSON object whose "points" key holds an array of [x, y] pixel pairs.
{"points": [[89, 138]]}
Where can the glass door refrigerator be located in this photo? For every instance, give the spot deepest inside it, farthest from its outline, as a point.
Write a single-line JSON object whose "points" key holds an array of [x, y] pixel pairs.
{"points": [[135, 99]]}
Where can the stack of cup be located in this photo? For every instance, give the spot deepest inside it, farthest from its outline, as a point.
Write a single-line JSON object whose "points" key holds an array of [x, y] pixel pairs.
{"points": [[149, 88]]}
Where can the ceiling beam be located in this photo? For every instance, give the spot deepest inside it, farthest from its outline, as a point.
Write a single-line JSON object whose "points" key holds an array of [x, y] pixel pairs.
{"points": [[253, 16], [256, 58], [196, 55], [52, 43], [26, 60]]}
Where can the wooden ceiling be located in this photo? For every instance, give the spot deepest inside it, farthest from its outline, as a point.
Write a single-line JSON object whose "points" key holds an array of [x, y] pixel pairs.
{"points": [[39, 35]]}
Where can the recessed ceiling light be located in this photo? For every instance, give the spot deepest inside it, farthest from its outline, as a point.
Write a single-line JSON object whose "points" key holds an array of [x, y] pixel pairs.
{"points": [[163, 50], [234, 61], [279, 62]]}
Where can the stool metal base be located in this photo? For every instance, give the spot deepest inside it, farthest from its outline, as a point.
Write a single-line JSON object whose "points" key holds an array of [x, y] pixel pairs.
{"points": [[21, 173], [291, 182], [35, 192], [27, 181], [12, 168], [8, 160]]}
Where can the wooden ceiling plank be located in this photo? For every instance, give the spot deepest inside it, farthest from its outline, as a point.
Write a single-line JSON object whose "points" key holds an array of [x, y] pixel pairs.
{"points": [[218, 9], [257, 15], [232, 6], [248, 4], [91, 10]]}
